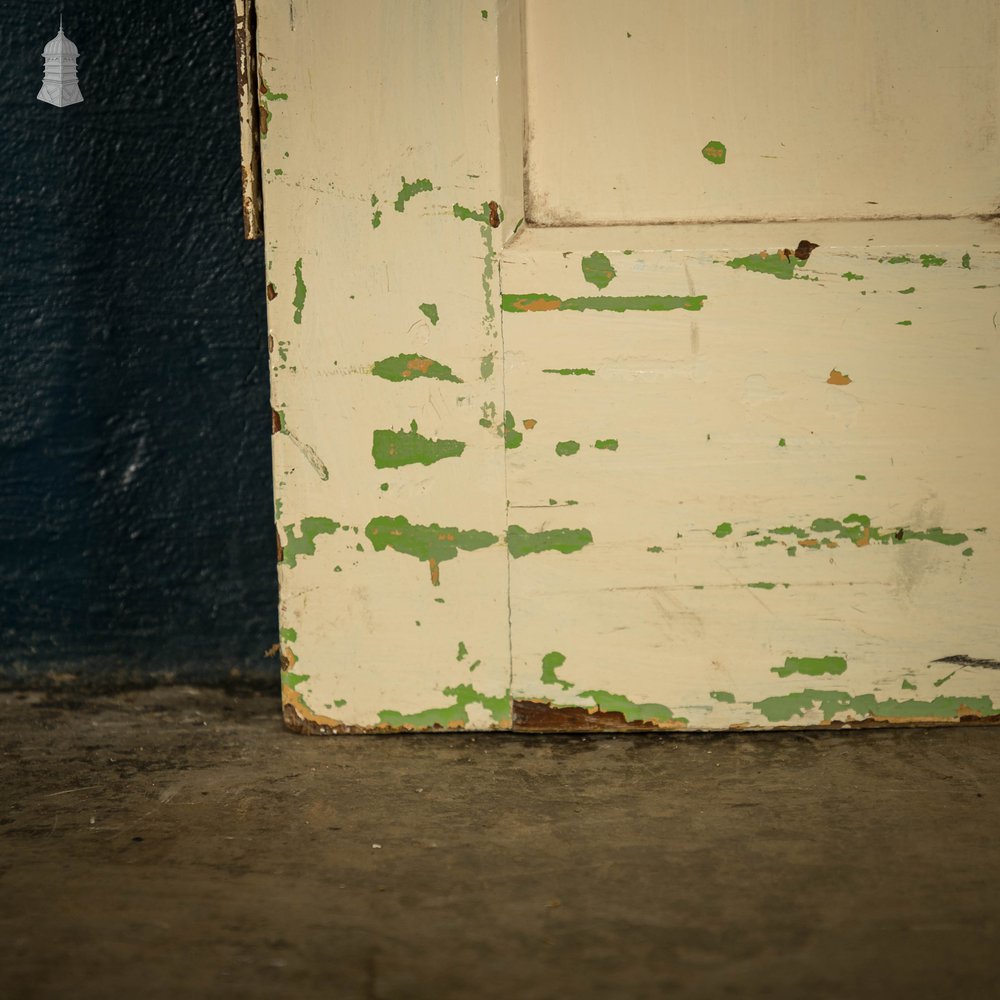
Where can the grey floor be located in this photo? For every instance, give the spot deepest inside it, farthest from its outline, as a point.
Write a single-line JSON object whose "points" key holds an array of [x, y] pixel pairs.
{"points": [[179, 843]]}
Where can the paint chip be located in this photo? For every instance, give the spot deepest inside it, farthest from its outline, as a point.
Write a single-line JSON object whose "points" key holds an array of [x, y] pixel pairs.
{"points": [[714, 152], [838, 378]]}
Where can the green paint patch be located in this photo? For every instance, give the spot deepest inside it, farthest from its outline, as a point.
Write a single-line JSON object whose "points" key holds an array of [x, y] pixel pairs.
{"points": [[762, 585], [550, 663], [490, 214], [288, 634], [967, 261], [451, 715], [486, 365], [780, 265], [430, 310], [810, 665], [851, 276], [278, 172], [607, 444], [521, 542], [512, 437], [568, 371], [299, 301], [631, 710], [907, 291], [947, 677], [430, 543], [905, 322], [784, 708], [564, 448], [723, 529], [724, 696], [714, 152], [383, 487], [765, 541], [967, 552], [406, 367], [394, 449], [907, 686], [291, 680], [462, 652], [485, 14], [782, 443], [655, 548], [929, 260], [304, 544], [859, 476], [409, 189], [539, 302], [898, 259], [598, 270], [858, 529]]}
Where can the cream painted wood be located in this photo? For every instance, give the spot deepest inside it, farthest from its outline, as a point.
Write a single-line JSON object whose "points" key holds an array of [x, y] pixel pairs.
{"points": [[712, 591], [850, 109], [693, 562], [381, 118]]}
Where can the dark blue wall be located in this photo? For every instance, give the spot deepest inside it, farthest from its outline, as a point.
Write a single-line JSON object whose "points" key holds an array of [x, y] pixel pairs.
{"points": [[136, 535]]}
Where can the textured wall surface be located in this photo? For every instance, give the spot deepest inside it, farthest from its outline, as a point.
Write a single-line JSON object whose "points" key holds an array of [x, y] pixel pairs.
{"points": [[135, 484]]}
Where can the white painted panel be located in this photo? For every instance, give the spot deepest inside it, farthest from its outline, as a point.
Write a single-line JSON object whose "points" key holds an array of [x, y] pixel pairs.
{"points": [[723, 556], [846, 109], [388, 189]]}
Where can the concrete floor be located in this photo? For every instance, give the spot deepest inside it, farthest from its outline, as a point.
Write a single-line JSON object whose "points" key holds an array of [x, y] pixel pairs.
{"points": [[178, 843]]}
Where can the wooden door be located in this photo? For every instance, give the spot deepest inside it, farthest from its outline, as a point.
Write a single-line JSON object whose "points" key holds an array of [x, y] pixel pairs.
{"points": [[634, 366]]}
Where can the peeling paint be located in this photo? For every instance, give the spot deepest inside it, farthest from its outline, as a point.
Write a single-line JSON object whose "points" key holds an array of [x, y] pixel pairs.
{"points": [[781, 264], [929, 260], [406, 367], [598, 270], [520, 302], [486, 365], [811, 666], [565, 448], [394, 449], [784, 708], [304, 544], [376, 213], [727, 697], [714, 152], [512, 437], [723, 529], [491, 213], [550, 663], [300, 293], [430, 310], [967, 261], [409, 189], [631, 710], [568, 371], [838, 378], [607, 444], [521, 542], [451, 716], [858, 529], [430, 543], [851, 276]]}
